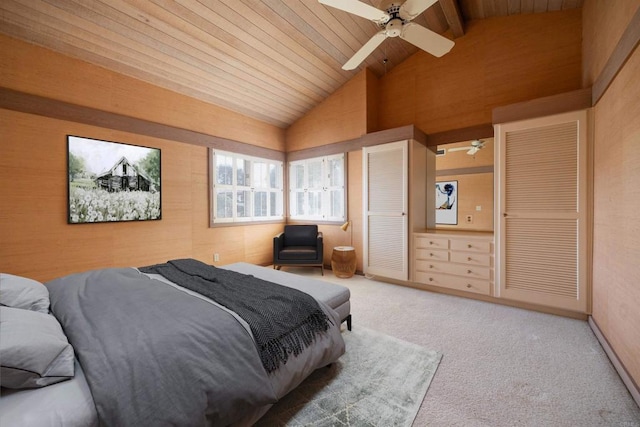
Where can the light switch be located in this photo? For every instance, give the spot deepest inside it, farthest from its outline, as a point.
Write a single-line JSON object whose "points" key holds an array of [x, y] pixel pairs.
{"points": [[478, 208]]}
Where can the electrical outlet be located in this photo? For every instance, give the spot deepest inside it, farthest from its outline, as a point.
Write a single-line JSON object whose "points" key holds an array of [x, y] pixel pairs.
{"points": [[469, 219], [216, 257]]}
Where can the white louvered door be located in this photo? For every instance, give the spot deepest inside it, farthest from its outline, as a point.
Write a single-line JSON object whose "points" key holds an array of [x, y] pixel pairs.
{"points": [[385, 194], [542, 219]]}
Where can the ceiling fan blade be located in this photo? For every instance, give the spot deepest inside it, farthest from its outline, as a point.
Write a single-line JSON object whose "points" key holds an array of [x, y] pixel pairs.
{"points": [[473, 151], [412, 8], [459, 149], [426, 39], [365, 50], [358, 8]]}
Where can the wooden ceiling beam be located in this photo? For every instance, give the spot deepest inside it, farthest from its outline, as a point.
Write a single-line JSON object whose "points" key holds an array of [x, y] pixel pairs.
{"points": [[451, 11]]}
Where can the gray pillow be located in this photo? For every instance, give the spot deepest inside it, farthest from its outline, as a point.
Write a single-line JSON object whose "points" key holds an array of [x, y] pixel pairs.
{"points": [[20, 292], [34, 351]]}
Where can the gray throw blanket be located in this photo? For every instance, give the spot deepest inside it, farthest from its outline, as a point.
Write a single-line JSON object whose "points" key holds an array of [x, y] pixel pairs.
{"points": [[283, 320]]}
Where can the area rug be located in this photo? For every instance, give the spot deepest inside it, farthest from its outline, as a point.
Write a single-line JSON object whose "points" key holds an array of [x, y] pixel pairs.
{"points": [[379, 381]]}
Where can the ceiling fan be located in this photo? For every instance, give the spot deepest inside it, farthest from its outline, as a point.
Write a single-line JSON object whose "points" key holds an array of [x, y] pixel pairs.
{"points": [[394, 17], [476, 146]]}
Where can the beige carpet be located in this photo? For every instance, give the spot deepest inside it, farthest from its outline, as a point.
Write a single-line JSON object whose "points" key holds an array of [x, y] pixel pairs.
{"points": [[502, 366]]}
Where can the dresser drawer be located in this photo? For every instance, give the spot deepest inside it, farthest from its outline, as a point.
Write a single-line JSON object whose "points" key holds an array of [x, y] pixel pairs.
{"points": [[466, 271], [432, 266], [432, 254], [471, 258], [471, 245], [454, 282], [428, 242]]}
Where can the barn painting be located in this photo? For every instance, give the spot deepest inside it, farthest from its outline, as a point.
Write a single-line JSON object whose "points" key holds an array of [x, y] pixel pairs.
{"points": [[123, 176], [112, 181]]}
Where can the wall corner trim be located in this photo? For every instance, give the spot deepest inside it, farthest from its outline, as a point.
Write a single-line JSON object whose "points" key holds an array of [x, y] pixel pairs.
{"points": [[623, 50], [356, 144], [458, 135], [47, 107], [547, 106]]}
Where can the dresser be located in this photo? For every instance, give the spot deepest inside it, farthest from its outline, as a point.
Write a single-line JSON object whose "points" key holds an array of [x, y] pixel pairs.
{"points": [[455, 260]]}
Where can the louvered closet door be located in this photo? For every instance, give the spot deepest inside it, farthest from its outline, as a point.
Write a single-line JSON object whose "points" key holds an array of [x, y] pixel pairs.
{"points": [[385, 171], [543, 194]]}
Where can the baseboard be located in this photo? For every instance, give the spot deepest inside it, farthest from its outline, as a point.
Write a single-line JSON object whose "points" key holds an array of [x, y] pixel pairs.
{"points": [[617, 364], [487, 298]]}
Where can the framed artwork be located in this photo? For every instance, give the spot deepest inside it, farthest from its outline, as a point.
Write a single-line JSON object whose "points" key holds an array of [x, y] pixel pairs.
{"points": [[112, 182], [447, 202]]}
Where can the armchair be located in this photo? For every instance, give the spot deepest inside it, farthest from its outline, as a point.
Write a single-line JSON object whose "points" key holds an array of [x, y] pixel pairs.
{"points": [[298, 245]]}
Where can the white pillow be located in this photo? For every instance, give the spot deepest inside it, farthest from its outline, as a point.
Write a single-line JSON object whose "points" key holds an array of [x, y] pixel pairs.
{"points": [[20, 292], [34, 351]]}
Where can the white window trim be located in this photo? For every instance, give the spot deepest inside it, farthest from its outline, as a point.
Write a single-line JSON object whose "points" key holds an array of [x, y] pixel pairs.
{"points": [[234, 188], [325, 188]]}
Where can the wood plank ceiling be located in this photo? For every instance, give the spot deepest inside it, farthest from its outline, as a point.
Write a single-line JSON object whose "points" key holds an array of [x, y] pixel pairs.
{"points": [[272, 60]]}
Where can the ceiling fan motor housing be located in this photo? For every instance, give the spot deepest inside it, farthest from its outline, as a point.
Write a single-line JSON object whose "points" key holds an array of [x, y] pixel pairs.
{"points": [[394, 27], [392, 8]]}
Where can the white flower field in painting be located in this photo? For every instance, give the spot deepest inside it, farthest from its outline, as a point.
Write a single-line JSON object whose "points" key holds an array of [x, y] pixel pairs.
{"points": [[96, 205]]}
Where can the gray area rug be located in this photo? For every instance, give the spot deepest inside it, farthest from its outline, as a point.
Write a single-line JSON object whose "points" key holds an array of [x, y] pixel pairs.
{"points": [[379, 381]]}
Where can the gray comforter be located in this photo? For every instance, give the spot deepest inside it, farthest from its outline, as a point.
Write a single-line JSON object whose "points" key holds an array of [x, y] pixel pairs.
{"points": [[155, 354]]}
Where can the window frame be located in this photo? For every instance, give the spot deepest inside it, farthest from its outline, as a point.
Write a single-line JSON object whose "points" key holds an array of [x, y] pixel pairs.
{"points": [[235, 188], [324, 189]]}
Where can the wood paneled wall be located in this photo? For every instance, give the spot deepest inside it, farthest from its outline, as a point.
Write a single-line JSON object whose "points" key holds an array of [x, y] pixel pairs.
{"points": [[36, 240], [499, 61], [474, 190], [340, 117], [616, 232]]}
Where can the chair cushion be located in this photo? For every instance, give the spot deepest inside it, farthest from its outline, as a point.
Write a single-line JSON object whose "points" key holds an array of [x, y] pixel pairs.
{"points": [[299, 253], [300, 235]]}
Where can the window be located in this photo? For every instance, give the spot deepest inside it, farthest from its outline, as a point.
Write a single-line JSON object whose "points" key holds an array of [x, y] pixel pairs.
{"points": [[246, 188], [316, 188]]}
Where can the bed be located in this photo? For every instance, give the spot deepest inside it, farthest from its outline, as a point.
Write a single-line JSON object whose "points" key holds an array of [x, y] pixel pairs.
{"points": [[147, 350]]}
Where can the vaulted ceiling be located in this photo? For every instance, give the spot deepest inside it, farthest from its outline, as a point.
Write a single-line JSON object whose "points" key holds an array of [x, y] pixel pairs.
{"points": [[272, 60]]}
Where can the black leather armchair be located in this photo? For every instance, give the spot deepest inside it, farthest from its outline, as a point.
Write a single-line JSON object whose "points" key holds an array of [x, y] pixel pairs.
{"points": [[298, 245]]}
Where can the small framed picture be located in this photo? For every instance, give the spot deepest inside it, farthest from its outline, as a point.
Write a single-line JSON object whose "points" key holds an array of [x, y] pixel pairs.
{"points": [[447, 202]]}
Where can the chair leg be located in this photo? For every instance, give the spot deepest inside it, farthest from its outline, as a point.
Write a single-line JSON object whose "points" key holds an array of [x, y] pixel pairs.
{"points": [[322, 269]]}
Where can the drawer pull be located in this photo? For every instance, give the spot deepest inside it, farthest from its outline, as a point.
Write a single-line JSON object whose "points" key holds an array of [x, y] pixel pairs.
{"points": [[468, 258], [469, 285], [469, 246], [469, 271], [431, 266], [431, 279], [431, 254], [430, 242]]}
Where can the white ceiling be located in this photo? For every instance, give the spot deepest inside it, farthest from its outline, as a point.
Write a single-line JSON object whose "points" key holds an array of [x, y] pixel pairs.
{"points": [[272, 60]]}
